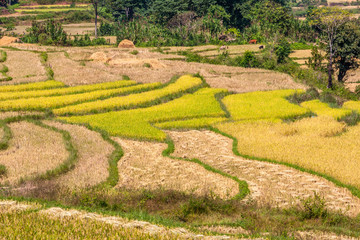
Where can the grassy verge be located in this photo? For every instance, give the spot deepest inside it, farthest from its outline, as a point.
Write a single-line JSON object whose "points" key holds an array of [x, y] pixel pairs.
{"points": [[4, 141]]}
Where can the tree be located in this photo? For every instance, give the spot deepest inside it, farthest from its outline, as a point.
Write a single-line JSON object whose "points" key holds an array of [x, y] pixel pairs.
{"points": [[347, 44], [329, 21], [97, 5]]}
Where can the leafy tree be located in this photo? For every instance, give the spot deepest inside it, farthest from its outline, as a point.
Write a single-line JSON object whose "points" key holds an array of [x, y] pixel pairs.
{"points": [[282, 50], [329, 21], [347, 43], [272, 17]]}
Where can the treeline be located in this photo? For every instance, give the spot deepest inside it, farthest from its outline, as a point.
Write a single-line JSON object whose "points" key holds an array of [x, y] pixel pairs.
{"points": [[194, 22]]}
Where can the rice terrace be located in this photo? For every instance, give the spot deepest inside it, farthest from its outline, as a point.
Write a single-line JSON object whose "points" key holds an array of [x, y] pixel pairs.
{"points": [[174, 119]]}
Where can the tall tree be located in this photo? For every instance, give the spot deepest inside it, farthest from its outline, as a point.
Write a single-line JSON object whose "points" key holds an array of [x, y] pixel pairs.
{"points": [[97, 5], [347, 44], [329, 21]]}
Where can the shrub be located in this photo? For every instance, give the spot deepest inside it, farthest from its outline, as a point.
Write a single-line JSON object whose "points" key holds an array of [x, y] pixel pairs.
{"points": [[313, 207], [3, 170], [282, 50]]}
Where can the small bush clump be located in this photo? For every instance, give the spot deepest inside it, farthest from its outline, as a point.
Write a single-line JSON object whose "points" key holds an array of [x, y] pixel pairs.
{"points": [[3, 170]]}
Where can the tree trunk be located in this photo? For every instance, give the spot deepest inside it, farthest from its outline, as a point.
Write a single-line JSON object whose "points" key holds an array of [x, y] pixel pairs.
{"points": [[96, 16], [330, 64]]}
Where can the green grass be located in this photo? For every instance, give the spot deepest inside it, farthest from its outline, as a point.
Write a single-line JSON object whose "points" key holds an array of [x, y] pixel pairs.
{"points": [[263, 105], [65, 90], [43, 103], [4, 140], [172, 90], [136, 123], [3, 56], [323, 109]]}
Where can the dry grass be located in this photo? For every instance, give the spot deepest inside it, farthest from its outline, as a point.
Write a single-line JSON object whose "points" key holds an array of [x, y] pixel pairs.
{"points": [[25, 67], [270, 184], [4, 115], [235, 79], [300, 53], [72, 73], [144, 167], [233, 50], [33, 150], [93, 152]]}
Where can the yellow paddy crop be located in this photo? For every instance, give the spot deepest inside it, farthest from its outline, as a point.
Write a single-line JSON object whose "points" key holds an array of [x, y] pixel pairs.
{"points": [[353, 105], [136, 123], [262, 105], [321, 144], [191, 123], [181, 85], [65, 90], [41, 103], [31, 86], [323, 109]]}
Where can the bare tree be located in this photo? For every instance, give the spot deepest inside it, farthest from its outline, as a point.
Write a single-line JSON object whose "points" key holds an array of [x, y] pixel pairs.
{"points": [[328, 21]]}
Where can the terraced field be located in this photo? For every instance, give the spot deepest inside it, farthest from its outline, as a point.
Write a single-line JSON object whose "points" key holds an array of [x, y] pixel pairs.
{"points": [[90, 144]]}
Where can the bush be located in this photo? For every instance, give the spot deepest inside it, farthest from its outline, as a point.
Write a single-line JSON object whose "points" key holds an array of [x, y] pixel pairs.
{"points": [[314, 207], [3, 170], [282, 50], [248, 60]]}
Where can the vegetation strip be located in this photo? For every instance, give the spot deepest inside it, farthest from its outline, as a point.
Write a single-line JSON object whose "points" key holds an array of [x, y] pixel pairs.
{"points": [[243, 186], [43, 103], [136, 123], [31, 86], [173, 90], [66, 90], [4, 141]]}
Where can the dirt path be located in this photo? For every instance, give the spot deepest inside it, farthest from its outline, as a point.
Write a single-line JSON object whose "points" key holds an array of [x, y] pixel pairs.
{"points": [[270, 184], [93, 152], [143, 166]]}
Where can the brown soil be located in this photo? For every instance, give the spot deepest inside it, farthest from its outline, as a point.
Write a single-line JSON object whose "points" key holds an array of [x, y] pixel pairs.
{"points": [[144, 167], [270, 184], [93, 153], [33, 150], [25, 67]]}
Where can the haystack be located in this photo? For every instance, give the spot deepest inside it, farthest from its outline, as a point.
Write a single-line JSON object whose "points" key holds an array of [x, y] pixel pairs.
{"points": [[99, 57], [126, 44], [7, 40]]}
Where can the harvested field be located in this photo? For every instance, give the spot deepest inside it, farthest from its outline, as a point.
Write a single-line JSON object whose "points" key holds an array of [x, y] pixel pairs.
{"points": [[32, 151], [93, 153], [25, 67], [232, 50], [72, 73], [300, 53], [270, 184], [4, 115], [144, 167]]}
